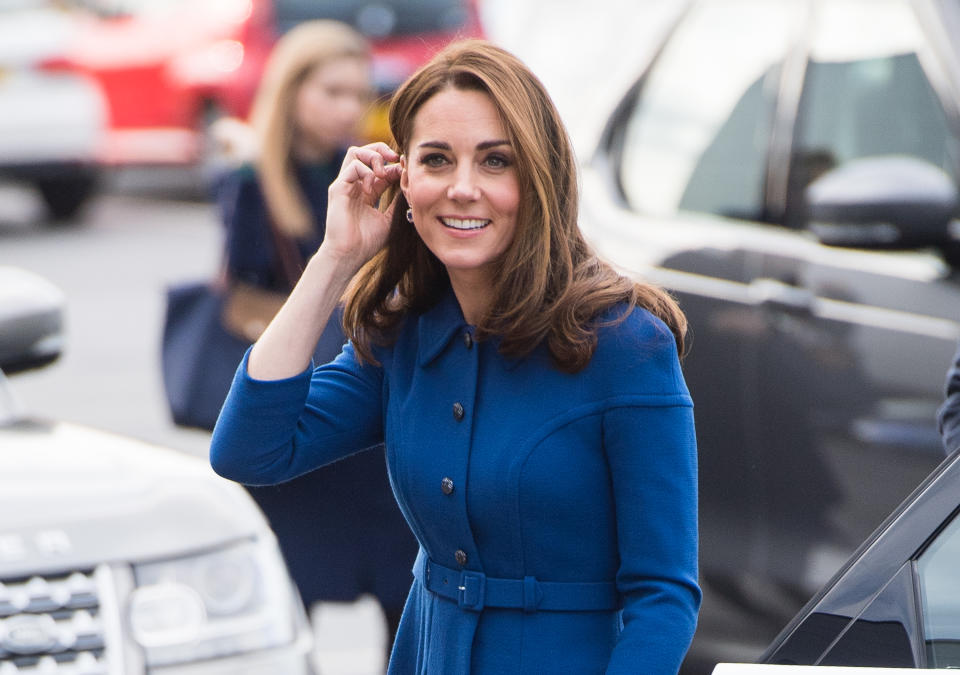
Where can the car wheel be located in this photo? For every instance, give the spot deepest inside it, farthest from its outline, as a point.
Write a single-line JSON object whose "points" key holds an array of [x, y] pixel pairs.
{"points": [[65, 195]]}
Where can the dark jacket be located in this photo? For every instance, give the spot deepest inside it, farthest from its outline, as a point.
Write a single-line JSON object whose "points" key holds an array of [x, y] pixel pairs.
{"points": [[250, 249], [317, 516], [542, 501], [949, 415]]}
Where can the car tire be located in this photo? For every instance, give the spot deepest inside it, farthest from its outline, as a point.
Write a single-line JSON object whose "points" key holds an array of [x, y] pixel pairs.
{"points": [[64, 196]]}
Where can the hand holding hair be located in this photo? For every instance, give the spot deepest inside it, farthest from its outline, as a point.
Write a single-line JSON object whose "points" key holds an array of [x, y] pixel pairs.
{"points": [[356, 230], [356, 227]]}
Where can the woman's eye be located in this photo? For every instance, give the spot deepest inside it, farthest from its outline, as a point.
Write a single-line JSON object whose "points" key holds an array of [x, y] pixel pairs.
{"points": [[433, 160], [497, 161]]}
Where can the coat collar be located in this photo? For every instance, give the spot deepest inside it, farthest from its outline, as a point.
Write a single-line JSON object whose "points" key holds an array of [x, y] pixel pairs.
{"points": [[440, 324]]}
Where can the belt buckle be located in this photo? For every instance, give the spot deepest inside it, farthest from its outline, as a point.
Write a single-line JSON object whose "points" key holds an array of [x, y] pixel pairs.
{"points": [[471, 591]]}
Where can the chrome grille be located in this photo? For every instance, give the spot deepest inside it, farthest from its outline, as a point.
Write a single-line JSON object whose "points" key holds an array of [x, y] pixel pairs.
{"points": [[51, 625]]}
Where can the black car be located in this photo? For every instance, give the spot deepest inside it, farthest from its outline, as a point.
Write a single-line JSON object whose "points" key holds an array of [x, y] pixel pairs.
{"points": [[896, 603], [789, 170]]}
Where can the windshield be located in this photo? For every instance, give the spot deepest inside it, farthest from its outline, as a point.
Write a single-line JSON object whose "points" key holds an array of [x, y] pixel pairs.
{"points": [[391, 18], [377, 19]]}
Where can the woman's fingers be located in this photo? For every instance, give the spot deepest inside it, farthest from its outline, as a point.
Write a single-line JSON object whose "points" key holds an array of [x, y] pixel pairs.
{"points": [[355, 225], [384, 178], [372, 180], [383, 150], [376, 156]]}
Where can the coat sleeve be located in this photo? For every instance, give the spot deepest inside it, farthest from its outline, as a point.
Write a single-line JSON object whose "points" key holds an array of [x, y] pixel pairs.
{"points": [[949, 415], [269, 432], [651, 449]]}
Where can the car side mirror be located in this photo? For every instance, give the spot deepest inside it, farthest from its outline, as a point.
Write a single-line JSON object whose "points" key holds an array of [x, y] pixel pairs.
{"points": [[888, 202], [31, 320]]}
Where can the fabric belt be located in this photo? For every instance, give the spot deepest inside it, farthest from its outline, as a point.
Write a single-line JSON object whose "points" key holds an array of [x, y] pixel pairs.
{"points": [[475, 590]]}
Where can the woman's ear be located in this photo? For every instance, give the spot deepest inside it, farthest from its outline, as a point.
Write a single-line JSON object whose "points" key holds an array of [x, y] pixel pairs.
{"points": [[404, 178]]}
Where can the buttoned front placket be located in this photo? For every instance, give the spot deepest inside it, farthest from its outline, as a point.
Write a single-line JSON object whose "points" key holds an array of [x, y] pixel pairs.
{"points": [[433, 413], [460, 364]]}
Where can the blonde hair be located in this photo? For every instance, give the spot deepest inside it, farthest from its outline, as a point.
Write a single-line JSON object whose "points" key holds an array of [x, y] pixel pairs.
{"points": [[302, 49], [549, 286]]}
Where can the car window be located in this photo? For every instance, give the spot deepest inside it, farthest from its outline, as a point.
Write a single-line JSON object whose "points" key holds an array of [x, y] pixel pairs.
{"points": [[888, 106], [697, 136], [144, 8], [377, 19], [940, 597]]}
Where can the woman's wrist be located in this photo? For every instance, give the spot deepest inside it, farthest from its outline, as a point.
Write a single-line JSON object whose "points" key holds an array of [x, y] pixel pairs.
{"points": [[342, 266]]}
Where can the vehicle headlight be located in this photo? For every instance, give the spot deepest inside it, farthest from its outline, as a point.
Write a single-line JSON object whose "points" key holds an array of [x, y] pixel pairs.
{"points": [[219, 603]]}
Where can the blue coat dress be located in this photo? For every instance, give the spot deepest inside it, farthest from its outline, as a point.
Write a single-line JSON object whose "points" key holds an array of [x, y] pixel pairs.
{"points": [[556, 513]]}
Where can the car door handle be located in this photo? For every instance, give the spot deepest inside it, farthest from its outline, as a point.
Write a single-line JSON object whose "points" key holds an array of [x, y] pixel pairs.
{"points": [[919, 435], [780, 296]]}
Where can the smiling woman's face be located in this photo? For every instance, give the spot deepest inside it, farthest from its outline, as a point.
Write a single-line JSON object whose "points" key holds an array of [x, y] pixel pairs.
{"points": [[460, 178]]}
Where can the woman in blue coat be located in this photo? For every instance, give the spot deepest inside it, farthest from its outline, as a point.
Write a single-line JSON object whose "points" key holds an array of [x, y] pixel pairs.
{"points": [[539, 434]]}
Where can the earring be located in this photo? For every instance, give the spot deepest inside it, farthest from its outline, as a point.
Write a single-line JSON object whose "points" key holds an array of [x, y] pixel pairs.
{"points": [[409, 215]]}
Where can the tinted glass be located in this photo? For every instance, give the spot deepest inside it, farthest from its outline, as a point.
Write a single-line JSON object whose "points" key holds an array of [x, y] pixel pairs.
{"points": [[377, 19], [939, 572], [872, 52], [698, 135], [880, 635]]}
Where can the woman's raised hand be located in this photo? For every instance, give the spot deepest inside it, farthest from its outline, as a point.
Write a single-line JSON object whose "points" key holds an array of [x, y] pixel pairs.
{"points": [[356, 230], [356, 227]]}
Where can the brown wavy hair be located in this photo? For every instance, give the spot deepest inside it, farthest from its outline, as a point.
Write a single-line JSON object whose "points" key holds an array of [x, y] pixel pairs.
{"points": [[550, 286]]}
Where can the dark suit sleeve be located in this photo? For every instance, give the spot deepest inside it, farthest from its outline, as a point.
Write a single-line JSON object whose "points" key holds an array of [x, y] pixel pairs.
{"points": [[949, 415], [248, 242]]}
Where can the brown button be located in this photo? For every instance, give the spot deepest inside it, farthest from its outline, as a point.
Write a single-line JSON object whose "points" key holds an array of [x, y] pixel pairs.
{"points": [[446, 486], [458, 411], [467, 340], [461, 557]]}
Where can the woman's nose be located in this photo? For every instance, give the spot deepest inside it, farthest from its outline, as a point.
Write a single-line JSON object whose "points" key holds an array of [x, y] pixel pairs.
{"points": [[464, 186]]}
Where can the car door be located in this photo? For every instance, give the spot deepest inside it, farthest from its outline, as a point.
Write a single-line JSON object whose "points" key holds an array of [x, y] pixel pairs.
{"points": [[851, 370], [677, 195], [896, 601]]}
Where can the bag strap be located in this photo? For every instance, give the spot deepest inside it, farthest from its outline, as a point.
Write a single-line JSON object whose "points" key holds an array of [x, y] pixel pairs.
{"points": [[290, 261]]}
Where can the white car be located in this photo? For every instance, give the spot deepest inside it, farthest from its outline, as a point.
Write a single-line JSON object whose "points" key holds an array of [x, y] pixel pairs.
{"points": [[742, 669], [121, 558], [53, 119]]}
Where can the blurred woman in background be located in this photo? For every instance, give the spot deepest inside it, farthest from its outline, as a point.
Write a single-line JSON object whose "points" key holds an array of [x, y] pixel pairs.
{"points": [[308, 109]]}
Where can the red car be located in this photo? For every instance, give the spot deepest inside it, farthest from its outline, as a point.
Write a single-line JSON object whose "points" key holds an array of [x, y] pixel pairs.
{"points": [[169, 68]]}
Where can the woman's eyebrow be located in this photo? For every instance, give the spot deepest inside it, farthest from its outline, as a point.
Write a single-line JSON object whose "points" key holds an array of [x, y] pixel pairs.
{"points": [[485, 145], [439, 145]]}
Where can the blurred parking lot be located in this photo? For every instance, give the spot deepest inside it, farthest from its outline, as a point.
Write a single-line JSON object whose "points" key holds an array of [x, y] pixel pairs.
{"points": [[145, 227]]}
